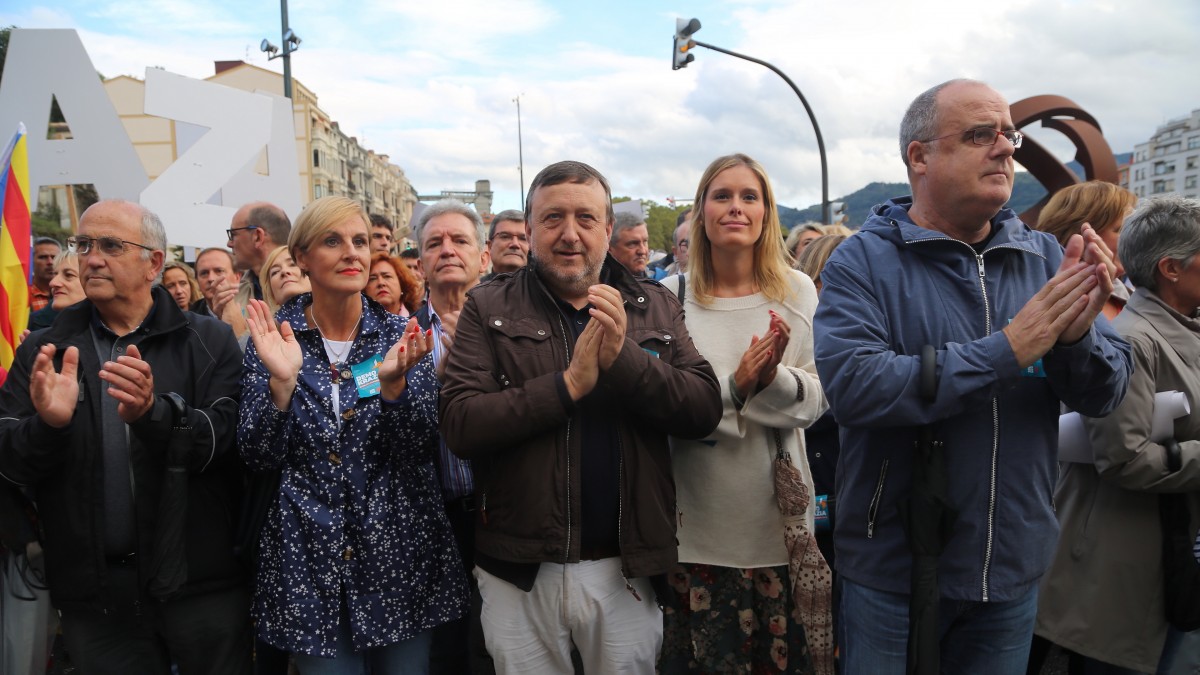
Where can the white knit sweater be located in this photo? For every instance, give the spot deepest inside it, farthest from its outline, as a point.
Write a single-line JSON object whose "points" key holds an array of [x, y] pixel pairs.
{"points": [[728, 514]]}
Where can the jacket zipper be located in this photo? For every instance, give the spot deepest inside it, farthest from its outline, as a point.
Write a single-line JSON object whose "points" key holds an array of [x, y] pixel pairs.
{"points": [[873, 509], [987, 316], [567, 350], [991, 519]]}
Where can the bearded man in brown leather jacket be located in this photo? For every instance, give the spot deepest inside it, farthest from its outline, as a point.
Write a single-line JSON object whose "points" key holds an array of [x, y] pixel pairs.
{"points": [[562, 385]]}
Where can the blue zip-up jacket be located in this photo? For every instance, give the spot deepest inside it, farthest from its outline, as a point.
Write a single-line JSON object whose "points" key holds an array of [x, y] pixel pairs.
{"points": [[888, 291]]}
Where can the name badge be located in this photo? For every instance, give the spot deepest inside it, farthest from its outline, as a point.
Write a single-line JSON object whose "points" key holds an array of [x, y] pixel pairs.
{"points": [[366, 376]]}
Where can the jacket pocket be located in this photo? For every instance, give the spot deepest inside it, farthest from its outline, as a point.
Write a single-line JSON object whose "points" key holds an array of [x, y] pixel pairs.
{"points": [[873, 509], [657, 342], [523, 347]]}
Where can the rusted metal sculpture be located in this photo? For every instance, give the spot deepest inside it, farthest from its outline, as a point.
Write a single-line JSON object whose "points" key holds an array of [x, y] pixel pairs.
{"points": [[1065, 116]]}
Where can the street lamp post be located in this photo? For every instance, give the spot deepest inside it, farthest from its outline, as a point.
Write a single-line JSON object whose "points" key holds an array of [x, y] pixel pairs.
{"points": [[684, 42], [291, 42], [520, 151]]}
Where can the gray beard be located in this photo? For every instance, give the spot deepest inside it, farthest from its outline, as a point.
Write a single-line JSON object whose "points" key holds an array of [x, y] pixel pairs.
{"points": [[566, 285]]}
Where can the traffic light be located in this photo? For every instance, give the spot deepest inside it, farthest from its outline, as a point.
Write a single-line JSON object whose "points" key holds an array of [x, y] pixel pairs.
{"points": [[684, 29]]}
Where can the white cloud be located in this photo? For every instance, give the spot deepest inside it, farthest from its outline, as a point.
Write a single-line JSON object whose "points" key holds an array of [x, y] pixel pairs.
{"points": [[432, 86]]}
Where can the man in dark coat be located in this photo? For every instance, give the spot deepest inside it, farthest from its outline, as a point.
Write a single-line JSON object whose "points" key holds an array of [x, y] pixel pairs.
{"points": [[120, 417]]}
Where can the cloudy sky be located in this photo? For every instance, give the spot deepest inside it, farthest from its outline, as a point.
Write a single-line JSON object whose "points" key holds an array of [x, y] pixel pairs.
{"points": [[432, 83]]}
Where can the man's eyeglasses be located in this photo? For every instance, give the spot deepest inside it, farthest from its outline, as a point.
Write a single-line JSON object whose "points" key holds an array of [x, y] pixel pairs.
{"points": [[986, 136], [109, 246], [683, 243], [234, 230]]}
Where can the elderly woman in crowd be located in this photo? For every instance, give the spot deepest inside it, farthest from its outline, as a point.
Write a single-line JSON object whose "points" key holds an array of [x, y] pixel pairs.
{"points": [[179, 280], [65, 290], [751, 317], [1103, 596], [814, 257], [1102, 205], [357, 562], [393, 285], [281, 279], [800, 236]]}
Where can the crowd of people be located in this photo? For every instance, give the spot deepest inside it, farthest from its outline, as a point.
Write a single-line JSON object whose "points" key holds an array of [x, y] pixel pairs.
{"points": [[526, 448]]}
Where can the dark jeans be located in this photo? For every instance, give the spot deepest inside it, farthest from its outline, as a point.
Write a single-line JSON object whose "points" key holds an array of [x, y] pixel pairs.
{"points": [[202, 634], [981, 638], [458, 647]]}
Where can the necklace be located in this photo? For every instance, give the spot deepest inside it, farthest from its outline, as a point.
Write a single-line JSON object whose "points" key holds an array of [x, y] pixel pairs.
{"points": [[335, 365]]}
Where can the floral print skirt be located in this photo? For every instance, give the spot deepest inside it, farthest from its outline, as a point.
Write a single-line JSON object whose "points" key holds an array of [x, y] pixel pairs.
{"points": [[730, 620]]}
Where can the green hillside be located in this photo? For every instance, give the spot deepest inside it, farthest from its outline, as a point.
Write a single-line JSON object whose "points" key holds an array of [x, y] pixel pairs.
{"points": [[1027, 191]]}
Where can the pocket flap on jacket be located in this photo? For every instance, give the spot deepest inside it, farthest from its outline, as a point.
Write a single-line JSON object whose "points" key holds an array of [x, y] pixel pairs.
{"points": [[642, 336], [531, 329]]}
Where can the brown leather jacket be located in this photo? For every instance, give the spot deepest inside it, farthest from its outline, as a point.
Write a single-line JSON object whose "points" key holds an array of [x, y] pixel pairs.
{"points": [[501, 409]]}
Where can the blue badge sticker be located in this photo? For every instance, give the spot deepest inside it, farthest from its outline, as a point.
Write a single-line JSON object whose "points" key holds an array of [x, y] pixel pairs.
{"points": [[366, 376], [651, 352], [1034, 370]]}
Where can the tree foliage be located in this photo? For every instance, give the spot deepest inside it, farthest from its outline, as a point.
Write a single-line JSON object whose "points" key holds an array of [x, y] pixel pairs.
{"points": [[660, 223]]}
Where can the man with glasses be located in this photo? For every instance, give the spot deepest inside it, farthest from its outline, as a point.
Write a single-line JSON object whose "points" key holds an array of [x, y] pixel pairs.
{"points": [[680, 250], [120, 418], [507, 243], [257, 229], [1014, 321]]}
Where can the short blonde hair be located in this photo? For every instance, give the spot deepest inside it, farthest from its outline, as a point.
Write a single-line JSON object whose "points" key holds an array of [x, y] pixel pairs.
{"points": [[771, 261], [1096, 202], [318, 217]]}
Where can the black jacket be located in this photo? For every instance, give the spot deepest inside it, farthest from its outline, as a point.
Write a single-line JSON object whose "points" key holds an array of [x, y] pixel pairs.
{"points": [[193, 356]]}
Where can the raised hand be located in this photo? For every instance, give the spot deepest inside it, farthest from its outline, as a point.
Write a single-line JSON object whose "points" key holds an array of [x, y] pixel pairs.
{"points": [[609, 310], [223, 293], [1059, 303], [1097, 253], [581, 376], [406, 353], [750, 366], [131, 383], [226, 309], [54, 394], [781, 333], [278, 350]]}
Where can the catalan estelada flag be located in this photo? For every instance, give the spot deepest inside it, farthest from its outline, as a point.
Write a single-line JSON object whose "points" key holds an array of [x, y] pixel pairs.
{"points": [[15, 249]]}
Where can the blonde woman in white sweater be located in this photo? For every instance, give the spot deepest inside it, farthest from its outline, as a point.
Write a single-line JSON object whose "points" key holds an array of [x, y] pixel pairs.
{"points": [[750, 315]]}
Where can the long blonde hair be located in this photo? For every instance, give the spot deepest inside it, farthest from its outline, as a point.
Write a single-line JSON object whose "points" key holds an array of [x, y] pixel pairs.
{"points": [[771, 264]]}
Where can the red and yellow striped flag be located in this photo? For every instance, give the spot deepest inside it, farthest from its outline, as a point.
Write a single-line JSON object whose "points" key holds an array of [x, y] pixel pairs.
{"points": [[15, 247]]}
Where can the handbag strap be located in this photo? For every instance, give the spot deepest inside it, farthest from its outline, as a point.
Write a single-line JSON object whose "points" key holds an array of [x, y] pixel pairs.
{"points": [[681, 291]]}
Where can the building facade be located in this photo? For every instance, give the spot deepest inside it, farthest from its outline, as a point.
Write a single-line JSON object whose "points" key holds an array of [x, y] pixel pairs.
{"points": [[330, 162], [1169, 163]]}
